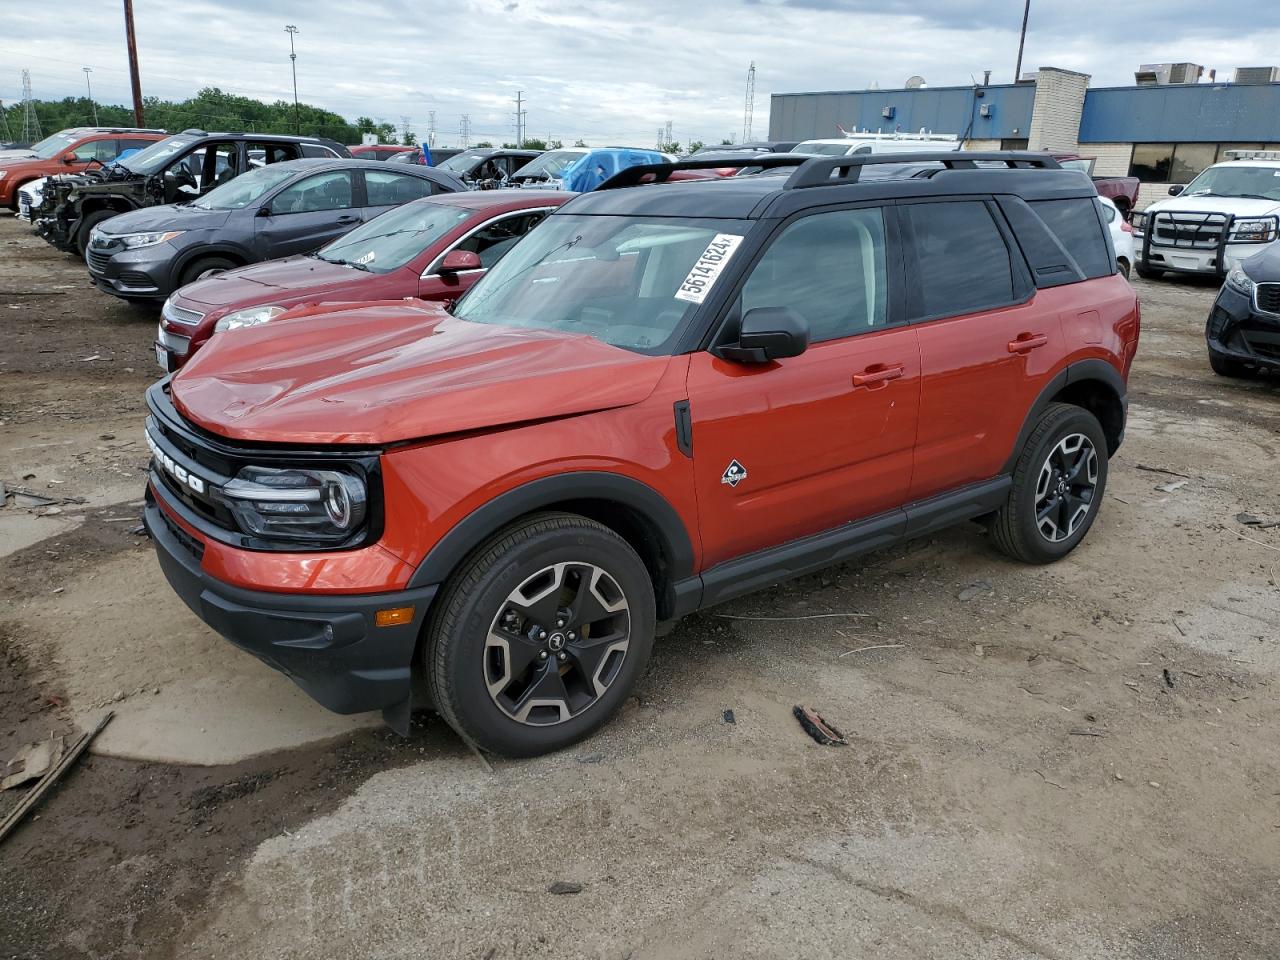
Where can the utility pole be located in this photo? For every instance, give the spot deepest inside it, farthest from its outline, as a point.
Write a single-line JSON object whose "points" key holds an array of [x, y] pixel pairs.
{"points": [[30, 122], [431, 128], [749, 110], [89, 87], [290, 29], [132, 42], [464, 130], [519, 119], [1022, 40]]}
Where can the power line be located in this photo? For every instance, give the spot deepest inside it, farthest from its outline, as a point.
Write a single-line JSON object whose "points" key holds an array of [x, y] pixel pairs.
{"points": [[30, 122]]}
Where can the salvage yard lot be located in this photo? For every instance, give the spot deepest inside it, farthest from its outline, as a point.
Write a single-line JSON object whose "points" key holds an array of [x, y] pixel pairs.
{"points": [[1076, 761]]}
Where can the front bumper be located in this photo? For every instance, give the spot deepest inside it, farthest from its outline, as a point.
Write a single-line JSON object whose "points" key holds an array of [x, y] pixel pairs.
{"points": [[1238, 330], [329, 645], [1216, 262], [145, 273]]}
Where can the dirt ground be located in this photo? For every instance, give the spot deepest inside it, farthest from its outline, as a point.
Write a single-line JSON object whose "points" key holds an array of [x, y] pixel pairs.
{"points": [[1068, 762]]}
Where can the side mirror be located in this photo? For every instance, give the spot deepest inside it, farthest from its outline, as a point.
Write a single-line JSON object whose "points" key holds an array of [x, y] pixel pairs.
{"points": [[68, 158], [263, 212], [457, 261], [769, 333], [1176, 189]]}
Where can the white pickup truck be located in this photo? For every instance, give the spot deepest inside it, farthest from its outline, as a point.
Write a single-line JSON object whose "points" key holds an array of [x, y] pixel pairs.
{"points": [[1227, 214]]}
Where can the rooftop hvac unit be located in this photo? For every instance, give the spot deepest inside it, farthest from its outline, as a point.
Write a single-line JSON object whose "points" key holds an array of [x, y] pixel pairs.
{"points": [[1160, 74], [888, 113], [985, 110], [1257, 75]]}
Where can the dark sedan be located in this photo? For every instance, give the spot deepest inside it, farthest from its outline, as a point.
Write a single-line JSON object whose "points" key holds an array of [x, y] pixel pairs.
{"points": [[1243, 331], [278, 210]]}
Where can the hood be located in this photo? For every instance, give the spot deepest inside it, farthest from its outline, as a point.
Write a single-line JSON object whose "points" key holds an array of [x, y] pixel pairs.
{"points": [[15, 153], [1240, 206], [393, 371], [168, 216], [1264, 267], [9, 164], [294, 276]]}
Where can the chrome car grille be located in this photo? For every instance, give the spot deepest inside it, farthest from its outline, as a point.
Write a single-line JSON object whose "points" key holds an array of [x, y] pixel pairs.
{"points": [[97, 260], [180, 315]]}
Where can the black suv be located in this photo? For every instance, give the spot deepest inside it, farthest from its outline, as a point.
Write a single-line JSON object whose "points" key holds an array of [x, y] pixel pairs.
{"points": [[182, 167], [1243, 332], [488, 167]]}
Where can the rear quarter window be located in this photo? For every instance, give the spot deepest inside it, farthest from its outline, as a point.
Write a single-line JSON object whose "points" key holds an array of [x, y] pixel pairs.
{"points": [[1076, 225]]}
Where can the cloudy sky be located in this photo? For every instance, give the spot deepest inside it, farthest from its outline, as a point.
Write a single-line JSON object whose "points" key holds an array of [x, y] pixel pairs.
{"points": [[609, 71]]}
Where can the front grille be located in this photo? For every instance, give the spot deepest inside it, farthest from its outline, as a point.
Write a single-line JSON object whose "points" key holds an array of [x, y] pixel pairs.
{"points": [[1188, 231], [97, 261], [181, 314], [1268, 296], [133, 278], [192, 545]]}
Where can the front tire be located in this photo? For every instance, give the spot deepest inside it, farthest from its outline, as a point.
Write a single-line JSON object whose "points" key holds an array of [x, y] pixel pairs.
{"points": [[87, 224], [1058, 485], [204, 267], [540, 636], [1125, 269], [1146, 273]]}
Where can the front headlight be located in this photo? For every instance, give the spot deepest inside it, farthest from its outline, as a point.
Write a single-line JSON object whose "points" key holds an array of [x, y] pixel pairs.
{"points": [[1139, 222], [132, 241], [1240, 282], [3, 174], [1254, 230], [309, 506], [248, 318]]}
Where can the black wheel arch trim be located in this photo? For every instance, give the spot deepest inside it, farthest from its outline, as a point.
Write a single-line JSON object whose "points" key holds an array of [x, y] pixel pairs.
{"points": [[547, 492], [1079, 372]]}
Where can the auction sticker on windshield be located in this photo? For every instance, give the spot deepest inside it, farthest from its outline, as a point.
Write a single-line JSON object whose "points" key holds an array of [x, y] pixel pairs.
{"points": [[702, 277]]}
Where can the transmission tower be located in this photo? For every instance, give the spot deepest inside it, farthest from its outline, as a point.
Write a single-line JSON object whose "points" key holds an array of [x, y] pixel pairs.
{"points": [[431, 128], [521, 114], [30, 122], [464, 130], [749, 110]]}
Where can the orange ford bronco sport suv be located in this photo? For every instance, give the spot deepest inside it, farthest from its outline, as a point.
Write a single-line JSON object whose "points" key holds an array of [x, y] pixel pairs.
{"points": [[664, 396]]}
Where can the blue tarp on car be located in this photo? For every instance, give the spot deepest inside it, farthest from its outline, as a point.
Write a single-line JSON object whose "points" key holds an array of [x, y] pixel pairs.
{"points": [[592, 169]]}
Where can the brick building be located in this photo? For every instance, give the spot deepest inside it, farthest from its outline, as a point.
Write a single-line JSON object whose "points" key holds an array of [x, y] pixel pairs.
{"points": [[1163, 134]]}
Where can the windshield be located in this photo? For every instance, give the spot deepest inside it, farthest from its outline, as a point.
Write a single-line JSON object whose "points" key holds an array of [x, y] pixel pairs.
{"points": [[244, 190], [54, 145], [633, 282], [153, 158], [461, 163], [1262, 183], [550, 165], [823, 149], [390, 241]]}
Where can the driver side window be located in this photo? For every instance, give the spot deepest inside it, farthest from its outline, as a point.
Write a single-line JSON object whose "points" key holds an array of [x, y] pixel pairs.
{"points": [[324, 191], [493, 241], [830, 269]]}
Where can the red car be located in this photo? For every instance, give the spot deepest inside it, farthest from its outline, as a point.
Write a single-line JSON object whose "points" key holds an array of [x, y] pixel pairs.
{"points": [[664, 397], [432, 249], [377, 151], [71, 151]]}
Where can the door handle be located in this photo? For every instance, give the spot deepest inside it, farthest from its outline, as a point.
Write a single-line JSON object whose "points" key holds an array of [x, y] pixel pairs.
{"points": [[348, 218], [878, 373], [1027, 341]]}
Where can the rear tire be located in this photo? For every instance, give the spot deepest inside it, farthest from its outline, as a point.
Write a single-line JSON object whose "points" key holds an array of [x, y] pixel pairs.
{"points": [[1146, 273], [1058, 485], [1125, 269], [540, 635], [204, 267], [1227, 367]]}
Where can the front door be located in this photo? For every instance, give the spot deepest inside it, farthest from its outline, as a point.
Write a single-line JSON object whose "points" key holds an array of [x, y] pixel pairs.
{"points": [[793, 447], [306, 215], [490, 241]]}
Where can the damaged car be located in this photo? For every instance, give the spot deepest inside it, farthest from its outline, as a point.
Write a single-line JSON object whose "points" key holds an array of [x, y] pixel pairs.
{"points": [[276, 210], [180, 168]]}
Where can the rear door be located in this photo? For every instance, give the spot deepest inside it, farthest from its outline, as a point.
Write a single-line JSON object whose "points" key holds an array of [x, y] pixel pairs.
{"points": [[307, 214], [490, 241], [385, 189], [987, 348], [798, 446]]}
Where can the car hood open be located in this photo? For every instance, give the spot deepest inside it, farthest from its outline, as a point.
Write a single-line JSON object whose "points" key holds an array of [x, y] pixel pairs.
{"points": [[393, 371]]}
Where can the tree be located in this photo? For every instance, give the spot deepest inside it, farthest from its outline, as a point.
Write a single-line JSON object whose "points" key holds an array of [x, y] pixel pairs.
{"points": [[409, 140], [555, 145], [672, 147], [483, 144], [579, 142], [695, 146]]}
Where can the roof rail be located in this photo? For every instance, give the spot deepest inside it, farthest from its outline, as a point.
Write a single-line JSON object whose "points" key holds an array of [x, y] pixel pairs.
{"points": [[661, 172], [817, 172]]}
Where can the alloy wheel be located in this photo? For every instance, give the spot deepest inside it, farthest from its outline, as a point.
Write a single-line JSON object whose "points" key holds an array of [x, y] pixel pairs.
{"points": [[556, 643], [1066, 486]]}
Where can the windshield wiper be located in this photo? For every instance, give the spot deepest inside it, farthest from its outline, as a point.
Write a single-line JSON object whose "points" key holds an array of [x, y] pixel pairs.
{"points": [[1255, 196], [342, 263]]}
